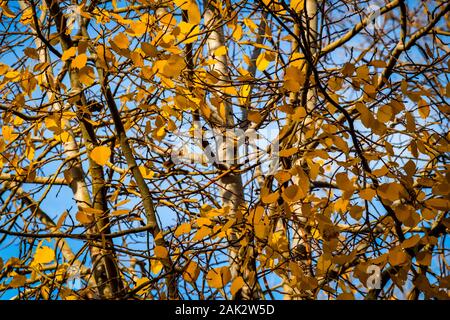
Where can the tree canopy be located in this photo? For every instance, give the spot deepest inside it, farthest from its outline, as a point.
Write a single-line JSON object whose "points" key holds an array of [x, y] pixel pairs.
{"points": [[249, 149]]}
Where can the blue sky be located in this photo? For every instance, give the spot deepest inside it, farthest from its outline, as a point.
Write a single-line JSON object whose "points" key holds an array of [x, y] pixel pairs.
{"points": [[59, 200]]}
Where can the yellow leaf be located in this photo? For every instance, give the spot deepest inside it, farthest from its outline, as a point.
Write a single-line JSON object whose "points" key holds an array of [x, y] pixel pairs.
{"points": [[6, 11], [244, 92], [218, 277], [237, 284], [146, 173], [120, 212], [84, 218], [193, 13], [79, 62], [250, 24], [424, 258], [201, 233], [356, 212], [261, 231], [12, 75], [410, 122], [87, 75], [267, 197], [341, 204], [296, 5], [348, 69], [214, 279], [149, 49], [182, 4], [188, 32], [101, 155], [220, 51], [424, 109], [7, 132], [44, 255], [140, 282], [223, 112], [237, 32], [261, 62], [362, 72], [18, 281], [121, 40], [92, 211], [30, 151], [32, 53], [288, 152], [278, 242], [345, 296], [398, 257], [171, 67], [367, 194], [378, 63], [323, 264], [69, 53], [156, 266], [411, 242], [283, 176], [161, 252], [138, 28], [203, 221], [182, 229], [191, 272], [384, 113], [254, 116], [438, 203], [293, 193], [343, 182]]}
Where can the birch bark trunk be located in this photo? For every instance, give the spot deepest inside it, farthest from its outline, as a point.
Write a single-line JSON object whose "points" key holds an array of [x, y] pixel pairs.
{"points": [[106, 272], [301, 237], [242, 262]]}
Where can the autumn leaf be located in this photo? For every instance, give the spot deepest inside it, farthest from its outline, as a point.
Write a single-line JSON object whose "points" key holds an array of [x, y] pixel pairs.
{"points": [[146, 173], [156, 266], [69, 53], [191, 272], [141, 282], [121, 41], [287, 152], [100, 155], [268, 197], [84, 218], [398, 257], [367, 194], [161, 252], [297, 5], [18, 281], [183, 229], [87, 76], [221, 51], [218, 277], [44, 255], [79, 61], [236, 285], [201, 233]]}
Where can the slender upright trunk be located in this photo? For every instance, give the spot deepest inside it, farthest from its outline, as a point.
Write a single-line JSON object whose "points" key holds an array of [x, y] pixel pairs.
{"points": [[307, 99], [105, 269], [242, 261]]}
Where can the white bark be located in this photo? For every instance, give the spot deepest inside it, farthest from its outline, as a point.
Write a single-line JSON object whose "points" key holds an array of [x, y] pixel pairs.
{"points": [[231, 187]]}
